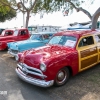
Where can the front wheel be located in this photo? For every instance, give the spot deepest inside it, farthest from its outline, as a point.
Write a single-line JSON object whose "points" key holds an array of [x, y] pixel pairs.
{"points": [[62, 77]]}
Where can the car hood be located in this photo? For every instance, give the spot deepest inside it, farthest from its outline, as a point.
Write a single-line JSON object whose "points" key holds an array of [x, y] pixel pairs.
{"points": [[25, 45], [45, 53], [1, 35]]}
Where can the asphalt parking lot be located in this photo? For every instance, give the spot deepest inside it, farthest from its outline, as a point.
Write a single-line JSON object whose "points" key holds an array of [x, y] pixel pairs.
{"points": [[83, 86]]}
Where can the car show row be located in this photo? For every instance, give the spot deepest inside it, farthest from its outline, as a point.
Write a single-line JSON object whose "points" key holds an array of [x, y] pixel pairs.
{"points": [[50, 58]]}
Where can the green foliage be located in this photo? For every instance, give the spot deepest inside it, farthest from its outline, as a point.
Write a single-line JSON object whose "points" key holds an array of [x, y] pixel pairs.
{"points": [[54, 5], [48, 6], [7, 16], [6, 13], [4, 10], [41, 6]]}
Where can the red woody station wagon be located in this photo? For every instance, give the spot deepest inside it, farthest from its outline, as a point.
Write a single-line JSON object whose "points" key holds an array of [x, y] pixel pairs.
{"points": [[67, 53]]}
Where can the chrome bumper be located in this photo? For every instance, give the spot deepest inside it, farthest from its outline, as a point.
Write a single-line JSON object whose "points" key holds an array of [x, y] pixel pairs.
{"points": [[34, 81], [11, 53]]}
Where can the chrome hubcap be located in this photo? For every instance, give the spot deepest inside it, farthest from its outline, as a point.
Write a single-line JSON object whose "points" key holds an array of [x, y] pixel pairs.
{"points": [[61, 76]]}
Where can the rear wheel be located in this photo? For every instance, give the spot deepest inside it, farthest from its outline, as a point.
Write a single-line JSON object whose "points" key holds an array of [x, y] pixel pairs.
{"points": [[62, 77]]}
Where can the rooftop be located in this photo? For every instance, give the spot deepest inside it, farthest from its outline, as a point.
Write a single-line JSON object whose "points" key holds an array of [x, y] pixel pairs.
{"points": [[77, 33]]}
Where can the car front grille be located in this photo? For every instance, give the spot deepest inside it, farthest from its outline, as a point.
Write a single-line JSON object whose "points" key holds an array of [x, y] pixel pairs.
{"points": [[13, 51], [31, 71]]}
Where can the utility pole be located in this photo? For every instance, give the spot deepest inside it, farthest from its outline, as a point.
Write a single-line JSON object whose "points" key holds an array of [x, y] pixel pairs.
{"points": [[23, 16]]}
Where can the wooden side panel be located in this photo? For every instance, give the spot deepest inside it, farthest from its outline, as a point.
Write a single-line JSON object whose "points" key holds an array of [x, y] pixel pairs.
{"points": [[88, 57], [88, 52], [89, 61]]}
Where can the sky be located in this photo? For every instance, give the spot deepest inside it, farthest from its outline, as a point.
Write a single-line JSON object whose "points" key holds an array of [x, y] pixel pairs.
{"points": [[54, 19]]}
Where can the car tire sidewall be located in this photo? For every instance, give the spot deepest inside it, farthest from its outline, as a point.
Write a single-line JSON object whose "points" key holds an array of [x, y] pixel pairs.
{"points": [[56, 83]]}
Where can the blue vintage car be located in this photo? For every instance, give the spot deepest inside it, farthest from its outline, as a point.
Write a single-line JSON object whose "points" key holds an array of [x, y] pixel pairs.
{"points": [[36, 40]]}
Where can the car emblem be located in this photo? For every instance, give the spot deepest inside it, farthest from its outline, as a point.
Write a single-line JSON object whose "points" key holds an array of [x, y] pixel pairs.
{"points": [[24, 70]]}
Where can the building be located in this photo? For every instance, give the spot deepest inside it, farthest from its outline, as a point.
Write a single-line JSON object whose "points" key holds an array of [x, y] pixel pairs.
{"points": [[37, 28]]}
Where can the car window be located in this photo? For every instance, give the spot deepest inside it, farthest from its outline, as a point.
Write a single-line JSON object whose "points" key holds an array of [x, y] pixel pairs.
{"points": [[55, 40], [40, 36], [46, 36], [9, 33], [69, 41], [85, 41], [36, 37], [97, 38], [3, 33], [23, 32]]}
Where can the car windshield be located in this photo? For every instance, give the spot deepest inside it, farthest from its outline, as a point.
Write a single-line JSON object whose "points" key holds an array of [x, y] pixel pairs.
{"points": [[36, 37], [69, 41]]}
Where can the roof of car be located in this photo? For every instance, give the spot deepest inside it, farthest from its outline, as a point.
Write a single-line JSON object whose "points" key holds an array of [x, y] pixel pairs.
{"points": [[9, 29], [78, 33]]}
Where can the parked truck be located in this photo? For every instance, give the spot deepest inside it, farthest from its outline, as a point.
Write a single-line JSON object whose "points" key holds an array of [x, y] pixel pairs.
{"points": [[18, 35]]}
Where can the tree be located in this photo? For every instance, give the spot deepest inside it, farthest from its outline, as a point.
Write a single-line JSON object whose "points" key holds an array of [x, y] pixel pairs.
{"points": [[38, 6], [6, 13], [47, 6], [13, 4], [74, 4], [95, 18], [21, 6], [69, 5]]}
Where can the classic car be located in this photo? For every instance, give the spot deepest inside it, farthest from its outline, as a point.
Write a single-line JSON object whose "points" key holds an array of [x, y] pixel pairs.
{"points": [[18, 35], [66, 54], [7, 32], [36, 40]]}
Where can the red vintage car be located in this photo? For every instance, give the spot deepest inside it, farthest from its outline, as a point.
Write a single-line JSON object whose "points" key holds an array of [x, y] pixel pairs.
{"points": [[18, 35], [66, 54]]}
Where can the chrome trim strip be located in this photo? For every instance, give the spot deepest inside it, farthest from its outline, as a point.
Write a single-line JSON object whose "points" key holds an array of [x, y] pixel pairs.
{"points": [[11, 53], [31, 67], [27, 71], [31, 80]]}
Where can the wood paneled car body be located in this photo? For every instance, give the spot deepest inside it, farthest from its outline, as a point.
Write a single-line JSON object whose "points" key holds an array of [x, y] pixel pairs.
{"points": [[67, 53]]}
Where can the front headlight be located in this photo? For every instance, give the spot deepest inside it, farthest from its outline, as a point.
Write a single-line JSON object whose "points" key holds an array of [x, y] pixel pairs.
{"points": [[43, 67]]}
